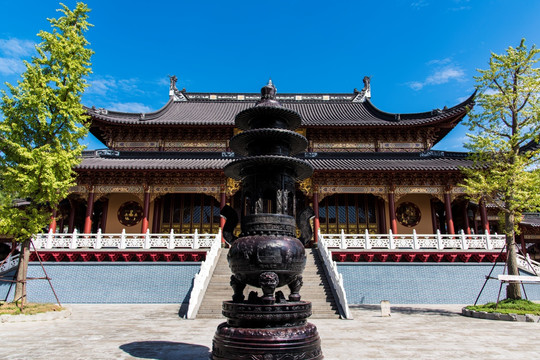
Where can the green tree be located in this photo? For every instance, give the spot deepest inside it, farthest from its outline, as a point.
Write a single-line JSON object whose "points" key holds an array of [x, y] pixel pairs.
{"points": [[41, 129], [504, 143]]}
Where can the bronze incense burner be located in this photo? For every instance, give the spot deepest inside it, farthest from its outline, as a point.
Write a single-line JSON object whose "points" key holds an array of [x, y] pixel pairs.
{"points": [[267, 253]]}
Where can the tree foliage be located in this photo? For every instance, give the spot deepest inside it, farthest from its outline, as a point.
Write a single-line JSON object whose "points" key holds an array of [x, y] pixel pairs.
{"points": [[43, 122], [505, 127]]}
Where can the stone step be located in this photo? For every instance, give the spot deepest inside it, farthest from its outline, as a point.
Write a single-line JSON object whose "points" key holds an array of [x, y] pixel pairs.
{"points": [[315, 289]]}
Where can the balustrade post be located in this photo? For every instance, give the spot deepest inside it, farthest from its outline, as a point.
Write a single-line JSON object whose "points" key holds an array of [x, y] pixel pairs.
{"points": [[439, 240], [123, 239], [97, 244], [489, 244], [391, 238], [464, 244], [343, 243], [73, 244], [368, 245], [49, 239], [196, 240], [415, 240], [171, 239], [147, 239]]}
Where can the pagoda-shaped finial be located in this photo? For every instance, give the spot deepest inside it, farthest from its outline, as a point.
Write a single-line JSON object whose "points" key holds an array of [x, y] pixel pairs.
{"points": [[268, 91], [268, 95]]}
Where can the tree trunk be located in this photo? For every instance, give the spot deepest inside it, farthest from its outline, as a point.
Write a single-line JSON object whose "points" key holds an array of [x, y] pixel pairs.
{"points": [[20, 287], [513, 289]]}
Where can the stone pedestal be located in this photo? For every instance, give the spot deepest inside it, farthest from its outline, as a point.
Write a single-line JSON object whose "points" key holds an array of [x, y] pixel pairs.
{"points": [[266, 332]]}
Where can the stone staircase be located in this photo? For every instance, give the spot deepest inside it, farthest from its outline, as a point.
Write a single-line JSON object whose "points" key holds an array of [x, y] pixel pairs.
{"points": [[315, 289]]}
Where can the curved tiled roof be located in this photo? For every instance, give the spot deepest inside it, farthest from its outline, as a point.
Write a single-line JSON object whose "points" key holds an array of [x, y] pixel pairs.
{"points": [[418, 164], [361, 162], [336, 110], [142, 162], [531, 220]]}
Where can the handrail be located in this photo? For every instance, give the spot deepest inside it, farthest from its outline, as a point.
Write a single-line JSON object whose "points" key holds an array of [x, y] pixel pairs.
{"points": [[121, 241], [414, 241], [336, 279], [525, 263], [202, 278], [9, 263]]}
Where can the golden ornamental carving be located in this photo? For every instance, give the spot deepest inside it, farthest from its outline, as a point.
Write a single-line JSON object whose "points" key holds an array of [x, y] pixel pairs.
{"points": [[306, 186], [232, 187]]}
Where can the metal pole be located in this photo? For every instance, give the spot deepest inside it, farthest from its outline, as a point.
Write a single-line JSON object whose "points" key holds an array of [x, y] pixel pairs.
{"points": [[489, 276], [45, 272]]}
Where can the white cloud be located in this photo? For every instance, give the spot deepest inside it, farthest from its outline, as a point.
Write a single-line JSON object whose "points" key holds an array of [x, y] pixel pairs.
{"points": [[444, 75], [416, 85], [440, 61], [11, 66], [16, 47], [102, 86], [444, 72], [132, 107], [14, 51], [490, 92], [461, 8], [419, 4]]}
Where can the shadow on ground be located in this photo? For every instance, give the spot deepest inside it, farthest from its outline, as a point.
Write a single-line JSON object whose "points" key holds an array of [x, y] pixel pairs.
{"points": [[408, 310], [166, 350]]}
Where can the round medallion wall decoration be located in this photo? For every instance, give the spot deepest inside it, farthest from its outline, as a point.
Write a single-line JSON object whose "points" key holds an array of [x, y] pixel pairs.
{"points": [[408, 214], [130, 213]]}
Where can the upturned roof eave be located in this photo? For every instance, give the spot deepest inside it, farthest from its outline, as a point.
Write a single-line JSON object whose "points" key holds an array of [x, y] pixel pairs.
{"points": [[391, 119]]}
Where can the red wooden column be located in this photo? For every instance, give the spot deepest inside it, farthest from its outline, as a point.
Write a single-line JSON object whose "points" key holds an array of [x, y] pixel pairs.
{"points": [[89, 210], [155, 216], [222, 220], [146, 211], [392, 212], [433, 216], [483, 216], [448, 210], [316, 223], [52, 225], [72, 211], [104, 215], [382, 216], [466, 217]]}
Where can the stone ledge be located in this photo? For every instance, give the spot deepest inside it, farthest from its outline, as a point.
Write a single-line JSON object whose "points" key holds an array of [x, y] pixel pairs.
{"points": [[499, 316], [51, 315]]}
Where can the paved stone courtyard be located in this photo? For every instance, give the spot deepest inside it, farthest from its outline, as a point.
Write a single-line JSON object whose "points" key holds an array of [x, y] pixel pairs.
{"points": [[156, 332]]}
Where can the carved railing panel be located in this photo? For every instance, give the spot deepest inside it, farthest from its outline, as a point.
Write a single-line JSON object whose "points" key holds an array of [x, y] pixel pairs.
{"points": [[413, 241]]}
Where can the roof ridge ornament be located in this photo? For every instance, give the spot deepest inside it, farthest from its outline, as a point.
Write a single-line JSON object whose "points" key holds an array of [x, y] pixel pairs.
{"points": [[365, 93], [174, 93]]}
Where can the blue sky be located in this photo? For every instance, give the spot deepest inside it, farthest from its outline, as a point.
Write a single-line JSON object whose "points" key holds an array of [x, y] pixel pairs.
{"points": [[420, 54]]}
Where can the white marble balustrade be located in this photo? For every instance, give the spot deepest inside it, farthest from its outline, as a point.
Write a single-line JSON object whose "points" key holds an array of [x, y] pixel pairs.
{"points": [[413, 241], [122, 241]]}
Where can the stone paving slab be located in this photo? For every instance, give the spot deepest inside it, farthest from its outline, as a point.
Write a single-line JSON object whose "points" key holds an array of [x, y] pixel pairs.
{"points": [[156, 332]]}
